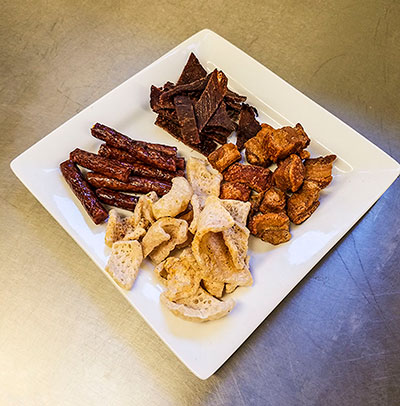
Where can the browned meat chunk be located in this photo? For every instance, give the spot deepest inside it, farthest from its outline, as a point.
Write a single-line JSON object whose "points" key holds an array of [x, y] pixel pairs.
{"points": [[285, 141], [256, 177], [319, 170], [255, 201], [186, 119], [224, 156], [210, 99], [256, 148], [271, 227], [304, 154], [235, 191], [248, 125], [274, 200], [303, 203], [290, 174], [192, 71]]}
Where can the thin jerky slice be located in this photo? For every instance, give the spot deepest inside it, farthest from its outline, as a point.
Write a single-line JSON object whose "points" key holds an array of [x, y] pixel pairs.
{"points": [[192, 71], [187, 120], [234, 97], [221, 119], [215, 136], [211, 97], [197, 85], [248, 125], [206, 145]]}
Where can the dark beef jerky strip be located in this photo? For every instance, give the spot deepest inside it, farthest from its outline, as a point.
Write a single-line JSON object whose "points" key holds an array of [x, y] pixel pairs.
{"points": [[192, 71], [117, 199], [234, 97], [206, 145], [155, 103], [100, 164], [134, 184], [199, 84], [83, 192], [210, 98], [187, 120], [165, 149], [137, 168], [220, 138], [221, 119], [248, 125], [142, 153]]}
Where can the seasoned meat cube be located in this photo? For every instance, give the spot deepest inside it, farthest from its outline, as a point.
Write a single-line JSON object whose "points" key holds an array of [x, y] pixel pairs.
{"points": [[290, 174], [319, 170], [235, 190], [255, 201], [286, 141], [271, 227], [248, 125], [256, 177], [273, 200], [303, 203], [304, 154], [256, 147], [224, 156]]}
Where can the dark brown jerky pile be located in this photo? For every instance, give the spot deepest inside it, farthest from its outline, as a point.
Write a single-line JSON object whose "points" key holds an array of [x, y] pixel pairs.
{"points": [[199, 109]]}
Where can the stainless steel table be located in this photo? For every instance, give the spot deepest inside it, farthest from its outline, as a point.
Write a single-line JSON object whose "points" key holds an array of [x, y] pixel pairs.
{"points": [[66, 335]]}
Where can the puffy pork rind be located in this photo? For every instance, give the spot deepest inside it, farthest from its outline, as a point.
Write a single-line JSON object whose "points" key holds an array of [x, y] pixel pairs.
{"points": [[205, 181], [181, 276], [214, 288], [199, 307], [238, 210], [116, 228], [175, 201], [142, 217], [220, 245], [124, 262], [163, 236]]}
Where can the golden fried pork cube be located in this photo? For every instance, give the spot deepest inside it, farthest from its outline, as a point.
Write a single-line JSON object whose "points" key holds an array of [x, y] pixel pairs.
{"points": [[319, 170], [271, 227], [304, 154], [256, 147], [235, 190], [303, 203], [273, 200], [257, 177], [290, 174], [224, 156], [286, 141]]}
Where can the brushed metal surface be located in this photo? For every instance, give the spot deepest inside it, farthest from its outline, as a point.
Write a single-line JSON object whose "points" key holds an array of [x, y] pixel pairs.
{"points": [[67, 337]]}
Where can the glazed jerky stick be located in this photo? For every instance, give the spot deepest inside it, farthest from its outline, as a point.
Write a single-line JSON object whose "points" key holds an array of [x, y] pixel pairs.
{"points": [[134, 184], [117, 199], [142, 153], [83, 192], [137, 168], [100, 164]]}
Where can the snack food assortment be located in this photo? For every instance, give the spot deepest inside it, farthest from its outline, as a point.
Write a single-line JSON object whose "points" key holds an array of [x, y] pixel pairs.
{"points": [[193, 220]]}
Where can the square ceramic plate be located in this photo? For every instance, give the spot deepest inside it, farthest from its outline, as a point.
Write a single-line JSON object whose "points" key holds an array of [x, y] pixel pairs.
{"points": [[362, 173]]}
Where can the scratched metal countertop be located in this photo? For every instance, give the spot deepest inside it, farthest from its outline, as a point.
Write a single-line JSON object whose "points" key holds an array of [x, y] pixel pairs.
{"points": [[67, 337]]}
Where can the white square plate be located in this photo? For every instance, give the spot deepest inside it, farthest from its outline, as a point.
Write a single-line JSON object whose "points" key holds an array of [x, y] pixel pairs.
{"points": [[362, 173]]}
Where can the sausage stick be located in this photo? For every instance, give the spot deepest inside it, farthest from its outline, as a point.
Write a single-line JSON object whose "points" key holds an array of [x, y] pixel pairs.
{"points": [[83, 192]]}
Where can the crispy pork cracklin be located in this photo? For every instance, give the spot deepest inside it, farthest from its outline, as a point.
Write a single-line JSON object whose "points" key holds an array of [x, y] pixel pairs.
{"points": [[285, 141], [303, 203], [319, 170], [256, 147], [274, 200], [256, 177], [224, 156], [290, 174], [235, 191], [271, 227]]}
